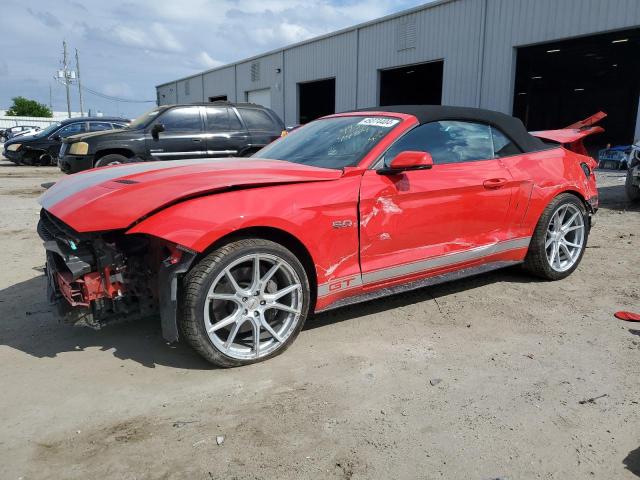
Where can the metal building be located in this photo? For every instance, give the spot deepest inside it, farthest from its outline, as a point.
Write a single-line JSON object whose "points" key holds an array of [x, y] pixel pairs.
{"points": [[550, 62]]}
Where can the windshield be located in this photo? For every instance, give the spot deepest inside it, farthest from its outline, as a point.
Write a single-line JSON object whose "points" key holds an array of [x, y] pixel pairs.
{"points": [[336, 142], [144, 119], [47, 131]]}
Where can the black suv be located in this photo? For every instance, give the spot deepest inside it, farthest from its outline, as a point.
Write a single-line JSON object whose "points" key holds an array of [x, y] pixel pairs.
{"points": [[42, 148], [176, 132]]}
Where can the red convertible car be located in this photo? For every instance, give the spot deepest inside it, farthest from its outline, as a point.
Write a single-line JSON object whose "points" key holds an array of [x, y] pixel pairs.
{"points": [[235, 254]]}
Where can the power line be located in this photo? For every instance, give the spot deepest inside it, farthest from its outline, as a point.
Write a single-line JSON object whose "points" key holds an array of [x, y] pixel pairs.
{"points": [[108, 97], [115, 99]]}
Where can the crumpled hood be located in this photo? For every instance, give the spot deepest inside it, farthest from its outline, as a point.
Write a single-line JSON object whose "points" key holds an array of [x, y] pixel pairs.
{"points": [[115, 197]]}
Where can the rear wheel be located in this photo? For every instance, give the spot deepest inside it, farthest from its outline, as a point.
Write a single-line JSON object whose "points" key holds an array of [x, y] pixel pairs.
{"points": [[245, 302], [110, 159], [559, 239]]}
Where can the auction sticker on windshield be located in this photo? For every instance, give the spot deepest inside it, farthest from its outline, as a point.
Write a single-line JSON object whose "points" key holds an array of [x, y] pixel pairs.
{"points": [[379, 122]]}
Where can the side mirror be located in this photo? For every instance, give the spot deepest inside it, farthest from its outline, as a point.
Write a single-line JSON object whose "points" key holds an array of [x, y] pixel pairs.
{"points": [[57, 137], [156, 129], [408, 160]]}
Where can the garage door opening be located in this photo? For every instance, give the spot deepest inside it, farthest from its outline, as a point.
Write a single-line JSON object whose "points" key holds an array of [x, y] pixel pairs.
{"points": [[419, 84], [219, 98], [316, 99], [259, 97], [562, 82]]}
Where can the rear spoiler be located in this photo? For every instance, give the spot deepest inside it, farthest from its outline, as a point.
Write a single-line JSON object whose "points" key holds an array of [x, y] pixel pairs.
{"points": [[571, 137]]}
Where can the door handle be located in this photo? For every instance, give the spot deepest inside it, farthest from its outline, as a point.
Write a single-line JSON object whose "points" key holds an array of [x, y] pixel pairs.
{"points": [[197, 140], [495, 183]]}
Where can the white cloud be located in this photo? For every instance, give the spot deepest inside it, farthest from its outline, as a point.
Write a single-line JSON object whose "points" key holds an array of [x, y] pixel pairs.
{"points": [[130, 37], [165, 39], [129, 46], [206, 61]]}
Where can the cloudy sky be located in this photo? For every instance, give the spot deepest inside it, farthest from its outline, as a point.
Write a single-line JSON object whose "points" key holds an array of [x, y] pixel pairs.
{"points": [[128, 47]]}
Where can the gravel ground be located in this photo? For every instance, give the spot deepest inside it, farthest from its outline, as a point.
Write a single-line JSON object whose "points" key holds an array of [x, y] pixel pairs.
{"points": [[484, 378]]}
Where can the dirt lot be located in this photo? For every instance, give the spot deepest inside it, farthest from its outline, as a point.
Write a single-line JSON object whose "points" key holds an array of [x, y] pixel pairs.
{"points": [[478, 379]]}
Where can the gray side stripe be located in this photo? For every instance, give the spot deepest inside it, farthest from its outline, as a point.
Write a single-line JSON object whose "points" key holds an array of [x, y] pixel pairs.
{"points": [[445, 260], [390, 273], [73, 184]]}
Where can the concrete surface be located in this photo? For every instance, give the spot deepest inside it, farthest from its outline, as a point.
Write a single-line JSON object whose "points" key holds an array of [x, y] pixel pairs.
{"points": [[356, 396]]}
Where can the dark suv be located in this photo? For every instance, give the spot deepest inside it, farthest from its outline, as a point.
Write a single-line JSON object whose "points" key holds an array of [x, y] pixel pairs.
{"points": [[176, 132], [42, 147]]}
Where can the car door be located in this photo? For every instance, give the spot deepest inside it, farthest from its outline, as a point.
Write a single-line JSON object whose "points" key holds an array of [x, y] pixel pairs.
{"points": [[438, 218], [55, 139], [262, 128], [181, 136], [224, 133]]}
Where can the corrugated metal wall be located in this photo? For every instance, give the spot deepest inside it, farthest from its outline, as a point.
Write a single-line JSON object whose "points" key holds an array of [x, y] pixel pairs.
{"points": [[514, 23], [477, 40], [448, 32], [220, 82], [259, 74], [167, 94], [332, 57]]}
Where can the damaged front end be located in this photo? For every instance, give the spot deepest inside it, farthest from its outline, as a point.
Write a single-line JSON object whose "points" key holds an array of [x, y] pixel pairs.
{"points": [[101, 277]]}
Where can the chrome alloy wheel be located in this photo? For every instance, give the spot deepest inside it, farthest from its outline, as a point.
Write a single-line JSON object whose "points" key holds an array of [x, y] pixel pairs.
{"points": [[565, 237], [253, 306]]}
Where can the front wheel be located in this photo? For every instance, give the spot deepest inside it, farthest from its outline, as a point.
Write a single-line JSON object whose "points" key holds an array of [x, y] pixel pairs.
{"points": [[110, 159], [245, 302], [560, 238]]}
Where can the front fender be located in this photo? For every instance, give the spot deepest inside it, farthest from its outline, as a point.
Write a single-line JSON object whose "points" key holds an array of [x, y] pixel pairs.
{"points": [[322, 216]]}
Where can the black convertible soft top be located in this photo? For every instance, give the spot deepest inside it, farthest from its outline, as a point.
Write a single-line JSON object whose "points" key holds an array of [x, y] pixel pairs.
{"points": [[509, 125]]}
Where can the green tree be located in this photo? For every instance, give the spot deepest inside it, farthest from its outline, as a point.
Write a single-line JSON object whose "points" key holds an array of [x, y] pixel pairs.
{"points": [[23, 107]]}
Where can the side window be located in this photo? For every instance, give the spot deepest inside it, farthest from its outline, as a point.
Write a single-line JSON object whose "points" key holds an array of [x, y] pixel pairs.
{"points": [[447, 142], [181, 119], [217, 119], [256, 119], [99, 126], [502, 145], [234, 121], [116, 126], [72, 129]]}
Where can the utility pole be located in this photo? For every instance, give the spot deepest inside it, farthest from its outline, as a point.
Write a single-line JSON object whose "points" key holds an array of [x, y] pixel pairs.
{"points": [[50, 98], [79, 85], [66, 77]]}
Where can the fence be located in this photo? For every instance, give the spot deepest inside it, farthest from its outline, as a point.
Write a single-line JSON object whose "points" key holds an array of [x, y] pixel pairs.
{"points": [[42, 122], [6, 122]]}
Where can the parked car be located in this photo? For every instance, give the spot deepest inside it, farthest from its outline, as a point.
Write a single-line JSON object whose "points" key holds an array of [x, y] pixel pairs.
{"points": [[210, 130], [234, 255], [42, 148], [632, 182], [615, 157], [10, 132], [26, 132]]}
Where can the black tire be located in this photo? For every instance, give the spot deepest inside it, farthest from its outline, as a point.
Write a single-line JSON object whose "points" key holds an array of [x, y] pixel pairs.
{"points": [[196, 286], [536, 261], [632, 191], [111, 159], [3, 139]]}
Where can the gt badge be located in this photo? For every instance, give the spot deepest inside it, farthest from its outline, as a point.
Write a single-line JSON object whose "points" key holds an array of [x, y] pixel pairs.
{"points": [[342, 224]]}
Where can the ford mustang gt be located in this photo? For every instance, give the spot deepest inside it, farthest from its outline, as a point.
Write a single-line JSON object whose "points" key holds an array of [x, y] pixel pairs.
{"points": [[234, 254]]}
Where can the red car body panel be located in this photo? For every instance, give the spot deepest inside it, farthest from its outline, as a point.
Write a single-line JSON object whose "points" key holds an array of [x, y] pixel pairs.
{"points": [[363, 231], [103, 200]]}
